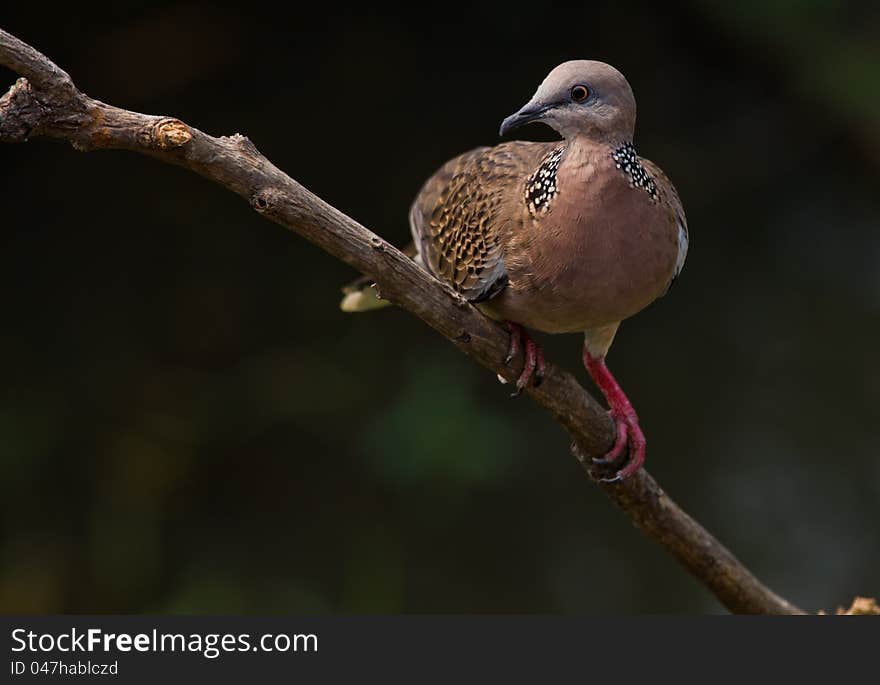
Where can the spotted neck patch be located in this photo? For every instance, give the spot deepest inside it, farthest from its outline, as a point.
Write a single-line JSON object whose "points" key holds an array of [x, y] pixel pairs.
{"points": [[542, 187], [627, 161]]}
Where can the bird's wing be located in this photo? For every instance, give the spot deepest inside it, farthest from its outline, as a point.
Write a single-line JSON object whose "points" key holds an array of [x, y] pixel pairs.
{"points": [[461, 218], [669, 197]]}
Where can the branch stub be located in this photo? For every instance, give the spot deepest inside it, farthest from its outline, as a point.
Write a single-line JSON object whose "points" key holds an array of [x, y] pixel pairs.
{"points": [[170, 133]]}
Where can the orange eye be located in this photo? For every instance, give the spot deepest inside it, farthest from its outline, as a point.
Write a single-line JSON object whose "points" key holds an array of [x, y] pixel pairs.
{"points": [[580, 93]]}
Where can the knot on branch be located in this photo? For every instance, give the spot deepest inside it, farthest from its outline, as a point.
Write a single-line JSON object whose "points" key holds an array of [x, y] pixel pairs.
{"points": [[169, 133], [20, 112], [265, 199], [244, 143]]}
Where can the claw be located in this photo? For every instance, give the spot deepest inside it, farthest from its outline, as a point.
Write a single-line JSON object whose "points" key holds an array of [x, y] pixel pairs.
{"points": [[611, 479], [533, 362], [628, 452], [616, 452]]}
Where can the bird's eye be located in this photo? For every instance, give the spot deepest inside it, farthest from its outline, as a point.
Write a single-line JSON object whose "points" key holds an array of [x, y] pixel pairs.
{"points": [[580, 93]]}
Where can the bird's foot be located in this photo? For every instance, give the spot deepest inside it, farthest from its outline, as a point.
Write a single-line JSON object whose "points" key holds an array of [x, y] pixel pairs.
{"points": [[533, 356], [628, 453]]}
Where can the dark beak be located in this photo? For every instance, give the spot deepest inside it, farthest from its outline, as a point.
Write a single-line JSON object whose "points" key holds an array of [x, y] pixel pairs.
{"points": [[531, 112]]}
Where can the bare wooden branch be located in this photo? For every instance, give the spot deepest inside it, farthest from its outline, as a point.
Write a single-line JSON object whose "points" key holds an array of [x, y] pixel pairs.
{"points": [[47, 104]]}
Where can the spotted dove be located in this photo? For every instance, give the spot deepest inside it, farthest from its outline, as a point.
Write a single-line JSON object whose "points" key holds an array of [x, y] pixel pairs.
{"points": [[561, 237]]}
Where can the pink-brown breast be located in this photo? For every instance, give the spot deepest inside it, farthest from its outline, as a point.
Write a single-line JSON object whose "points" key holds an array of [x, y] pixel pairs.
{"points": [[600, 251]]}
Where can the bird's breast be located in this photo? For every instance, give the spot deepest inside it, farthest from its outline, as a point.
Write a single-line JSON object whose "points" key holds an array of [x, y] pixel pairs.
{"points": [[603, 250]]}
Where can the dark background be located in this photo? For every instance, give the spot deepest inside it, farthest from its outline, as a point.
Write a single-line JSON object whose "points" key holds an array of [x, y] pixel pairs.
{"points": [[189, 424]]}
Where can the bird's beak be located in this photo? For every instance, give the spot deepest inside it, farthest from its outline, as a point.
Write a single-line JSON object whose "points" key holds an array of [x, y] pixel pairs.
{"points": [[533, 111]]}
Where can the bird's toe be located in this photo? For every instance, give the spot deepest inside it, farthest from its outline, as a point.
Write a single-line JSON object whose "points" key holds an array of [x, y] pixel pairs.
{"points": [[628, 453]]}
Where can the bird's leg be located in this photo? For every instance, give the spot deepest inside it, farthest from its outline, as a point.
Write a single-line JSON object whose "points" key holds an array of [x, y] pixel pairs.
{"points": [[533, 356], [626, 421]]}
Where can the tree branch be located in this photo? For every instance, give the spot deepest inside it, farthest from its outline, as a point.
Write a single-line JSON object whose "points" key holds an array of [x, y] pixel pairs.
{"points": [[46, 103]]}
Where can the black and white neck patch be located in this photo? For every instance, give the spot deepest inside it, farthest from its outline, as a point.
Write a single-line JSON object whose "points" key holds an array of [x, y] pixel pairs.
{"points": [[627, 161], [542, 187]]}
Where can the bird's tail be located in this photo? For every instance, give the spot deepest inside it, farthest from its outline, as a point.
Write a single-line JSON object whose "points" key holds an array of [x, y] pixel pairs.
{"points": [[362, 295]]}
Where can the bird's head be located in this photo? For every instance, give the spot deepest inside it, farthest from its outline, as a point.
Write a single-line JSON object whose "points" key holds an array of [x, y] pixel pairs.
{"points": [[581, 97]]}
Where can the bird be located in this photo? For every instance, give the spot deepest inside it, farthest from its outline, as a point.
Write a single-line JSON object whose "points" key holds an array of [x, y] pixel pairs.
{"points": [[567, 236]]}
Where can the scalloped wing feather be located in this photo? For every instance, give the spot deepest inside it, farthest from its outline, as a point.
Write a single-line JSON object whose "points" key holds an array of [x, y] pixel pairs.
{"points": [[465, 213]]}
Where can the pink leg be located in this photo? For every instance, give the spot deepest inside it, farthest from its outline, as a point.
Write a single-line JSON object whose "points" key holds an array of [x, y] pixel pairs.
{"points": [[629, 433], [533, 355]]}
